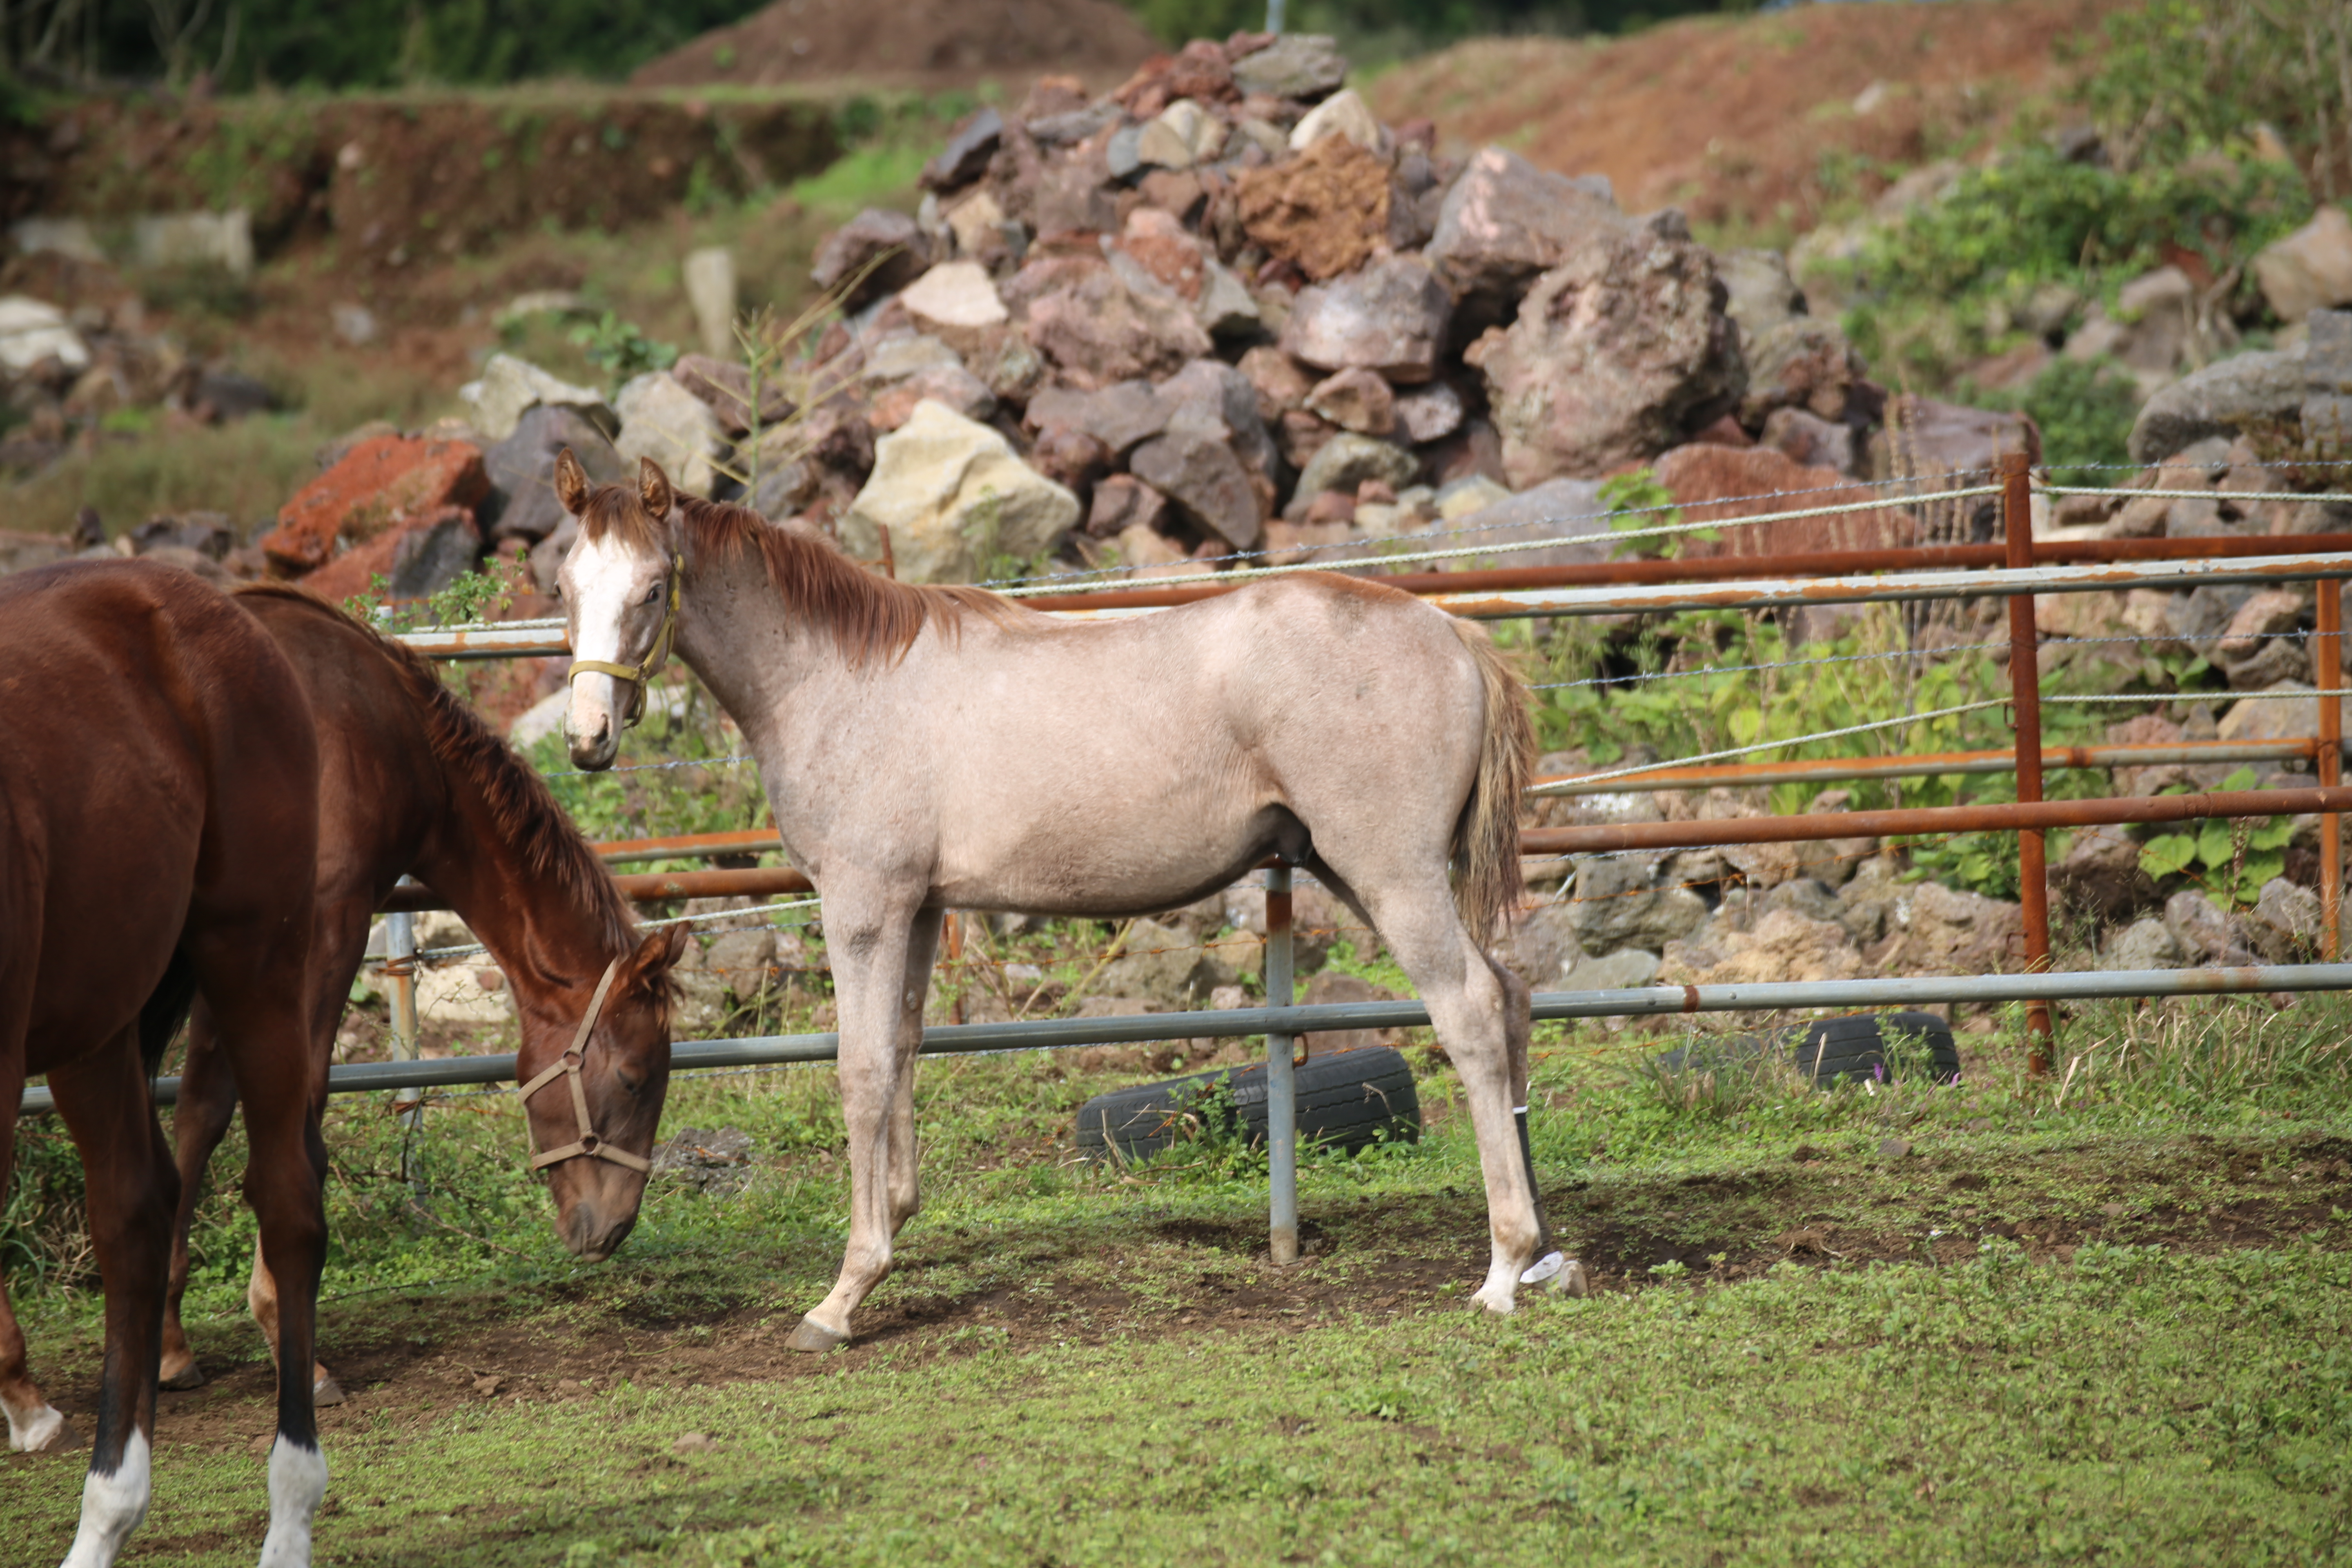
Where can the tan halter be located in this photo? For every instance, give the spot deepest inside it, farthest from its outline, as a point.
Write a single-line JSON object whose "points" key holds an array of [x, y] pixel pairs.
{"points": [[640, 675], [587, 1145]]}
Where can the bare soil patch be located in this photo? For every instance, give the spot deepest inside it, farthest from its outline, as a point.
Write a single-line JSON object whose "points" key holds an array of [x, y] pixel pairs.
{"points": [[1754, 122], [926, 44]]}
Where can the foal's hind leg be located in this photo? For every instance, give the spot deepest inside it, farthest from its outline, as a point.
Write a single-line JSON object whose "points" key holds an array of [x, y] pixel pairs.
{"points": [[34, 1424], [199, 1121], [130, 1180], [1475, 1014], [906, 1188]]}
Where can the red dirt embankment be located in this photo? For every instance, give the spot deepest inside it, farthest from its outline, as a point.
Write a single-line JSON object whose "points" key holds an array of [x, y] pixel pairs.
{"points": [[1756, 122], [928, 44]]}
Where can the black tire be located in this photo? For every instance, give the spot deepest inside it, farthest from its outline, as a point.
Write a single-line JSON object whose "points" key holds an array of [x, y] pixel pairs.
{"points": [[1346, 1100], [1855, 1046]]}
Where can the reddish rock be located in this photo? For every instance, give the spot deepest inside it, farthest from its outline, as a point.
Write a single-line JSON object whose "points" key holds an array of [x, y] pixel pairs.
{"points": [[1355, 400], [1705, 479], [1332, 506], [949, 383], [1071, 459], [1302, 435], [1160, 245], [379, 482], [1100, 332], [1326, 210], [1282, 383], [1120, 503], [1505, 221], [1390, 317], [888, 241]]}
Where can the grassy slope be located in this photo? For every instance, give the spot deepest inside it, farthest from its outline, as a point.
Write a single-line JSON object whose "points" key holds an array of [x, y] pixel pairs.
{"points": [[1843, 1359]]}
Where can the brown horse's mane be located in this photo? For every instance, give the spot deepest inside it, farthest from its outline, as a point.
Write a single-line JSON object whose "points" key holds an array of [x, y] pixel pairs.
{"points": [[522, 811], [867, 616]]}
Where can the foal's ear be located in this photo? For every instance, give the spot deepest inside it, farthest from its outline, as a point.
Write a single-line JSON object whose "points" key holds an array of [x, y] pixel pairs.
{"points": [[570, 482], [653, 489]]}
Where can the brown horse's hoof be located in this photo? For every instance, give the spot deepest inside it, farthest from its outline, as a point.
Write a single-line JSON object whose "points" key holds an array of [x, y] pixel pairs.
{"points": [[813, 1338], [187, 1377], [64, 1440], [326, 1391]]}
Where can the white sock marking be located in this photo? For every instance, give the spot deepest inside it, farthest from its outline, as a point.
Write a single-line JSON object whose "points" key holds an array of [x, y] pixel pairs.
{"points": [[112, 1507], [29, 1432], [298, 1482], [1543, 1269]]}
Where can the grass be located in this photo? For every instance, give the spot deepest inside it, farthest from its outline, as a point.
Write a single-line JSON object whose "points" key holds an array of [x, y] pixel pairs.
{"points": [[2101, 1319]]}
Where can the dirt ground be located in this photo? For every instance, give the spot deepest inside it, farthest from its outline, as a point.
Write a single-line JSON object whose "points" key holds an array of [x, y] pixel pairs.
{"points": [[925, 44], [1753, 123], [407, 1358]]}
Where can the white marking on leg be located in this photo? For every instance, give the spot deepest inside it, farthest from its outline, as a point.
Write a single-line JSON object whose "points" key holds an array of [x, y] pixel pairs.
{"points": [[30, 1431], [297, 1483], [112, 1507], [1543, 1269]]}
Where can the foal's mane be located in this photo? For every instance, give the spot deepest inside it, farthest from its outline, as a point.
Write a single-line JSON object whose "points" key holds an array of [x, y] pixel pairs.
{"points": [[524, 814], [867, 616]]}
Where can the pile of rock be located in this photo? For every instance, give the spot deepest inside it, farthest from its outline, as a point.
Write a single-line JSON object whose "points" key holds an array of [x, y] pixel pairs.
{"points": [[1223, 308]]}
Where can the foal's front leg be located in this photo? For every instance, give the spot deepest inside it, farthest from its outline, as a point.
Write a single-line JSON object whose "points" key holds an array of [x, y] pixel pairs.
{"points": [[870, 945]]}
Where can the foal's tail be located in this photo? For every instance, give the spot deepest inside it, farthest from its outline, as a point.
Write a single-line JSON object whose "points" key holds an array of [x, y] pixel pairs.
{"points": [[1486, 836]]}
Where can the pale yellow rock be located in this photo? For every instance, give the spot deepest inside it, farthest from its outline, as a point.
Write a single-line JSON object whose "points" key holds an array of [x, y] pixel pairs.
{"points": [[975, 222], [1341, 114], [955, 498], [955, 295]]}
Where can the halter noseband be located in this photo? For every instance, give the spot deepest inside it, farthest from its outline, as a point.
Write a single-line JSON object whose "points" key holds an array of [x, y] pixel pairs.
{"points": [[568, 1065], [639, 675]]}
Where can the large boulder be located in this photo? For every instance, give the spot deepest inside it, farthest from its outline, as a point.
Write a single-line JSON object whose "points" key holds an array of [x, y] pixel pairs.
{"points": [[1612, 354], [1097, 330], [1325, 211], [1389, 319], [890, 243], [1161, 963], [954, 497], [1801, 361], [1762, 295], [2309, 269], [416, 557], [1713, 484], [1621, 902], [2146, 943], [1944, 930], [662, 420], [1206, 481], [385, 482], [2258, 395], [522, 471], [508, 387], [1566, 511], [1504, 221]]}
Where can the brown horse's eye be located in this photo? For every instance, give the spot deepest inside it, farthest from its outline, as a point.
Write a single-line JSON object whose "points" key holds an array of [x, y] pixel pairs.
{"points": [[632, 1079]]}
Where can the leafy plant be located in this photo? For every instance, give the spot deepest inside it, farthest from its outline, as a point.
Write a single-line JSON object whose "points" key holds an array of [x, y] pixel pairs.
{"points": [[2231, 858], [2085, 412], [1636, 503], [619, 348]]}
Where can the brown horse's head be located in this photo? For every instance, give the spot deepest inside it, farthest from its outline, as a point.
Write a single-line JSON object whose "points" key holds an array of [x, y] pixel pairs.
{"points": [[593, 1145]]}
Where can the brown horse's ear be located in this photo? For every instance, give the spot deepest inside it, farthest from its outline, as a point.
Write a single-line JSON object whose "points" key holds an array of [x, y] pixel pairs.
{"points": [[657, 954], [653, 489], [570, 482]]}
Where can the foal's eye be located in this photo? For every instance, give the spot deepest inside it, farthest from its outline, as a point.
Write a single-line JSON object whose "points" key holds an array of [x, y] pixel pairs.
{"points": [[653, 592]]}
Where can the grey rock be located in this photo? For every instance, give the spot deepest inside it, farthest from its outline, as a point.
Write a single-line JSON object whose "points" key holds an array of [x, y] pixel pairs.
{"points": [[965, 157], [1762, 294], [1160, 963], [903, 250], [522, 470], [2146, 943], [2252, 394], [206, 533], [662, 420], [1798, 361], [427, 560], [1346, 461], [1543, 946], [1226, 307], [1217, 400], [2285, 923], [2327, 386], [1568, 510], [1808, 896], [1806, 438], [2309, 269], [1072, 126], [717, 1160], [1356, 400], [1627, 969], [710, 293], [1124, 155], [231, 395], [1205, 481], [1619, 902], [1121, 416], [1390, 317], [223, 240], [1504, 221], [2205, 934], [508, 386], [1300, 65], [1429, 413]]}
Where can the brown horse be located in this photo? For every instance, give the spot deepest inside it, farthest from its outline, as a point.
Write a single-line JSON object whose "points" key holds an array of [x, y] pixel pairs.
{"points": [[930, 748], [158, 824], [412, 780]]}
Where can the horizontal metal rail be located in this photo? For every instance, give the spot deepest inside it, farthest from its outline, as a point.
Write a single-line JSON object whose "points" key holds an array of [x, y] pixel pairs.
{"points": [[1650, 1001], [702, 846], [1851, 770]]}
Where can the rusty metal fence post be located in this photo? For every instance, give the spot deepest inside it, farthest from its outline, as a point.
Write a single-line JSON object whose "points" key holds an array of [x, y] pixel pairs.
{"points": [[2025, 692], [1281, 1081], [2328, 675]]}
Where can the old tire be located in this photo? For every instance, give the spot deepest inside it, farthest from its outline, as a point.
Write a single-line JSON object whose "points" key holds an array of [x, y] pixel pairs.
{"points": [[1346, 1100], [1856, 1047]]}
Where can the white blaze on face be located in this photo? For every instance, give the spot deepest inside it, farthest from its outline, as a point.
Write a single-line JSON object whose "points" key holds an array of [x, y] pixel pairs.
{"points": [[297, 1483], [112, 1507], [599, 581]]}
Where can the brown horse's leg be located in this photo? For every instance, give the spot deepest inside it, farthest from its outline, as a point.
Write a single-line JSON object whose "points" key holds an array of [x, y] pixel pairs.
{"points": [[870, 944], [199, 1121], [34, 1426], [127, 1173]]}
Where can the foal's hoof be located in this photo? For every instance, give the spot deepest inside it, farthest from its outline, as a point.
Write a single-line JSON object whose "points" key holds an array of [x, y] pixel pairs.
{"points": [[813, 1338], [326, 1390], [185, 1378], [1569, 1281]]}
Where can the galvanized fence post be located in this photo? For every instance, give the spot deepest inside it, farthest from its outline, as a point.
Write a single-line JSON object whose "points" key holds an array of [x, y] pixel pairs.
{"points": [[1281, 1082], [2328, 675], [2025, 692], [400, 993]]}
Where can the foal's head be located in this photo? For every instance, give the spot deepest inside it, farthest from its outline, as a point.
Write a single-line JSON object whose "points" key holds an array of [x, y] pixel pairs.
{"points": [[591, 1148], [619, 585]]}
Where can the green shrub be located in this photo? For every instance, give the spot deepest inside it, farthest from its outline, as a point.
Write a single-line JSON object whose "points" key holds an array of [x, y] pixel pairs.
{"points": [[2084, 413]]}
